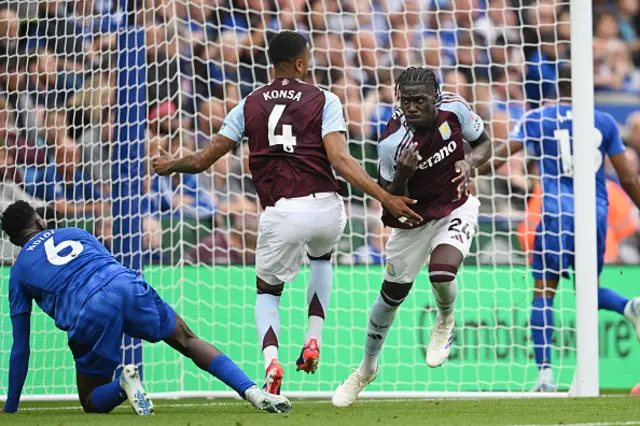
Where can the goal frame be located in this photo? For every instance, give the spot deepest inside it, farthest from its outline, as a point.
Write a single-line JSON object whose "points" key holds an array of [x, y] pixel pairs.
{"points": [[586, 380]]}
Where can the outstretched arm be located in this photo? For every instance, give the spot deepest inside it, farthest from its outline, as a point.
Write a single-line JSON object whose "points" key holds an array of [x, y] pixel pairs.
{"points": [[336, 146], [196, 162], [230, 134], [628, 179], [19, 360]]}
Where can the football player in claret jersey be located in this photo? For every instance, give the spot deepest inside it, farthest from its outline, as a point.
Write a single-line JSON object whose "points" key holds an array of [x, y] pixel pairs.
{"points": [[296, 132], [422, 156], [547, 133], [95, 299]]}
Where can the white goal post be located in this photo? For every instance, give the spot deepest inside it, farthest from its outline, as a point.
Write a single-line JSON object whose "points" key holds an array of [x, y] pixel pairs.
{"points": [[82, 112], [586, 380]]}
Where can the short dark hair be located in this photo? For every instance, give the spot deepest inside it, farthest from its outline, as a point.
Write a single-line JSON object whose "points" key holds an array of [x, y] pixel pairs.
{"points": [[286, 46], [417, 75], [564, 81], [17, 217]]}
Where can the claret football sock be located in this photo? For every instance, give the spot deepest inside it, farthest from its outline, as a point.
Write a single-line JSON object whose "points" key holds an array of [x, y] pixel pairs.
{"points": [[268, 325], [318, 295]]}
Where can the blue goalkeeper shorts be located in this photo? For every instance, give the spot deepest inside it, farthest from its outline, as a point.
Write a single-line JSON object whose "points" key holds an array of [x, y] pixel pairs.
{"points": [[126, 305], [554, 247]]}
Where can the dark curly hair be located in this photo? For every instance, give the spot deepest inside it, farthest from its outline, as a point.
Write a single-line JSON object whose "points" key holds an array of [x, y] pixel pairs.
{"points": [[418, 75], [17, 218]]}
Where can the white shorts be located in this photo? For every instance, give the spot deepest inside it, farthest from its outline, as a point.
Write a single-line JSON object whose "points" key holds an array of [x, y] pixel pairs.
{"points": [[292, 225], [409, 249]]}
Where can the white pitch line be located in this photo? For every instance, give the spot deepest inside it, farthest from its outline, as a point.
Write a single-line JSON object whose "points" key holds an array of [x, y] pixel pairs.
{"points": [[213, 404]]}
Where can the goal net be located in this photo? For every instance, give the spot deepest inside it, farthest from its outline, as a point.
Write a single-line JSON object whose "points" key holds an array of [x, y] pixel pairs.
{"points": [[90, 90]]}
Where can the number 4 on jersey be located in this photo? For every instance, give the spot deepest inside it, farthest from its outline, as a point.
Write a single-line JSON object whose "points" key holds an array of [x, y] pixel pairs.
{"points": [[286, 139]]}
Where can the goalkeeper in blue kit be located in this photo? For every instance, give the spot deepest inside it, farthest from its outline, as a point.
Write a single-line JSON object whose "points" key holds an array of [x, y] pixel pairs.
{"points": [[95, 299], [547, 132]]}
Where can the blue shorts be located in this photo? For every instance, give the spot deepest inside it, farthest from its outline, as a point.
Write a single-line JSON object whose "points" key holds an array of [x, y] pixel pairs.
{"points": [[554, 247], [125, 305]]}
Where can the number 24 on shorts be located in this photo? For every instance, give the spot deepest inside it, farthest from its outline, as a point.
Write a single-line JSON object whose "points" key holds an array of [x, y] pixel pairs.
{"points": [[454, 226]]}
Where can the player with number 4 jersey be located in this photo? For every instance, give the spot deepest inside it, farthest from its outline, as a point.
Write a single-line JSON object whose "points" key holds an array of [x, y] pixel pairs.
{"points": [[421, 155], [78, 283], [547, 133], [296, 133]]}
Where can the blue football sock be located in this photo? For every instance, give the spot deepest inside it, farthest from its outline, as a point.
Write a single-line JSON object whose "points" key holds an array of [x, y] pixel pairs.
{"points": [[230, 374], [611, 301], [107, 397], [542, 329]]}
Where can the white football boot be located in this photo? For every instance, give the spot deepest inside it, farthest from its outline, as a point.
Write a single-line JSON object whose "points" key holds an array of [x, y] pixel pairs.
{"points": [[348, 391], [440, 342], [545, 382], [266, 401], [132, 386], [632, 313]]}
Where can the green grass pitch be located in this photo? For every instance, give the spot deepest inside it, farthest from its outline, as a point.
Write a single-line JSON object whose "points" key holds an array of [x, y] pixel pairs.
{"points": [[609, 410]]}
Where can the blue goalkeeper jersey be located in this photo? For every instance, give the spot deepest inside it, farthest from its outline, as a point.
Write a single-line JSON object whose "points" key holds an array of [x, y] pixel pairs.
{"points": [[60, 269], [548, 134]]}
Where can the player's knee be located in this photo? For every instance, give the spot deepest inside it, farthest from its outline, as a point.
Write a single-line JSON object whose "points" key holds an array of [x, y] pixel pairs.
{"points": [[394, 294], [181, 336], [323, 257], [87, 405], [442, 273], [183, 331], [266, 288]]}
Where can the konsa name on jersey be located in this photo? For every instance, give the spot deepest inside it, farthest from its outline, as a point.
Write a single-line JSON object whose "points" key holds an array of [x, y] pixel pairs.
{"points": [[282, 94]]}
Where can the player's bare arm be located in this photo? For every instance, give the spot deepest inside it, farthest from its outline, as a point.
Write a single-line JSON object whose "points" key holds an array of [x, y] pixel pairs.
{"points": [[197, 162], [501, 152], [336, 146], [628, 179], [481, 152], [19, 360], [406, 166]]}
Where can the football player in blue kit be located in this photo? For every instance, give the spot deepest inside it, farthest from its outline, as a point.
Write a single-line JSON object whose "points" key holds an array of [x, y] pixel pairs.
{"points": [[547, 134], [95, 299]]}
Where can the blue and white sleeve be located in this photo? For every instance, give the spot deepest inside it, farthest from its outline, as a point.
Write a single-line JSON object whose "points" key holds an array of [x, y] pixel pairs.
{"points": [[386, 160], [614, 144], [233, 124], [471, 124], [332, 115]]}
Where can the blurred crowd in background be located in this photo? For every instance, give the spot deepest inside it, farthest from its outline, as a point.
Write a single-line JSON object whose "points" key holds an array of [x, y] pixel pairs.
{"points": [[58, 85]]}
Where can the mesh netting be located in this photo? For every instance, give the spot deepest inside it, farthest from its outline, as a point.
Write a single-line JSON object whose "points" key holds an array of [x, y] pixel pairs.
{"points": [[70, 84]]}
